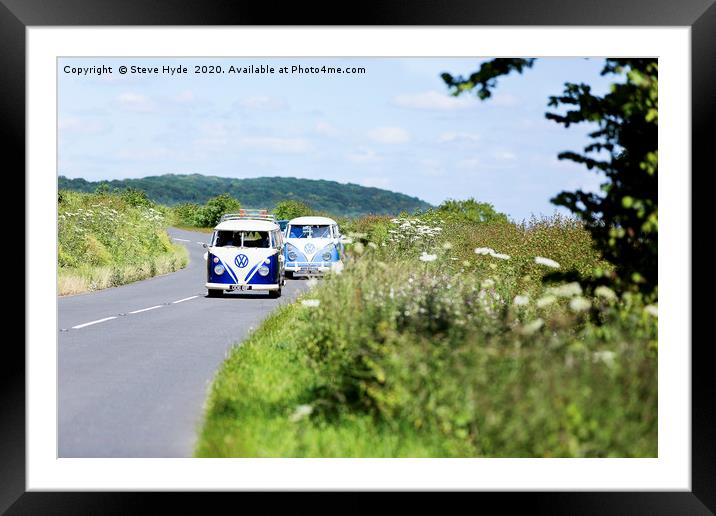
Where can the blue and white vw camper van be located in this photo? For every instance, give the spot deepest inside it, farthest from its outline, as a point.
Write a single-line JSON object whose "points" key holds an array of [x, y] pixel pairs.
{"points": [[245, 253], [313, 245]]}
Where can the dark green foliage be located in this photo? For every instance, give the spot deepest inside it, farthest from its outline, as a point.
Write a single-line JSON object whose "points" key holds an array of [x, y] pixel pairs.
{"points": [[135, 197], [262, 192], [623, 220], [485, 78], [288, 210], [185, 213], [209, 214], [470, 210]]}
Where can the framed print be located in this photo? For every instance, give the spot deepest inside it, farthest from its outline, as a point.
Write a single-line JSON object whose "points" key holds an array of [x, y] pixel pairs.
{"points": [[413, 251]]}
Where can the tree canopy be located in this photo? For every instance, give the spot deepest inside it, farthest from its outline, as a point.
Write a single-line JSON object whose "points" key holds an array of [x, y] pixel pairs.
{"points": [[623, 217]]}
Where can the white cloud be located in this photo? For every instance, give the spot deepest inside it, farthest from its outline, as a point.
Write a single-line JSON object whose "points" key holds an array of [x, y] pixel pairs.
{"points": [[263, 102], [282, 145], [184, 97], [364, 155], [502, 99], [504, 155], [469, 164], [135, 102], [389, 135], [143, 154], [82, 125], [452, 136], [212, 135], [376, 182], [432, 167], [325, 129], [434, 100]]}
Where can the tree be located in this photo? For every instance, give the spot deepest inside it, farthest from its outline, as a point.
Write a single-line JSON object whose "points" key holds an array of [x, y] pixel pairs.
{"points": [[472, 210], [623, 218], [291, 209], [209, 214], [136, 197]]}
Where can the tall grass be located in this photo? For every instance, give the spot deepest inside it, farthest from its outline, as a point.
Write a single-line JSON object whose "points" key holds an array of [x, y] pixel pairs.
{"points": [[109, 239], [422, 346]]}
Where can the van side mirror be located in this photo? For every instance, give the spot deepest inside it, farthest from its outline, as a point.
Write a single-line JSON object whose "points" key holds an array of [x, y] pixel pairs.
{"points": [[205, 245]]}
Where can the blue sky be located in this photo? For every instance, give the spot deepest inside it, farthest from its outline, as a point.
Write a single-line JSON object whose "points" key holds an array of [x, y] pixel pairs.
{"points": [[393, 127]]}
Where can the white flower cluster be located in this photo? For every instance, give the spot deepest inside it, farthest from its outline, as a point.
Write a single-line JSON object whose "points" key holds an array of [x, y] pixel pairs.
{"points": [[412, 231], [540, 260], [486, 251]]}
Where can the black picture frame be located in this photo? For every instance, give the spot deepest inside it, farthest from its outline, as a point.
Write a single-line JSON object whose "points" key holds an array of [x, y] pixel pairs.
{"points": [[700, 15]]}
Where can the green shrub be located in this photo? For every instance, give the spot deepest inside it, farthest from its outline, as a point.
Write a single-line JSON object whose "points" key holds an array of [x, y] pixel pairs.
{"points": [[209, 214], [291, 209]]}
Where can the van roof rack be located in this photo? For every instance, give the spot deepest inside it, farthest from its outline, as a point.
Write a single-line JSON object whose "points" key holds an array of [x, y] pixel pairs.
{"points": [[246, 214]]}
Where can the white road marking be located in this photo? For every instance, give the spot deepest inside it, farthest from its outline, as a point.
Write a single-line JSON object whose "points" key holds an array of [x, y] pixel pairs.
{"points": [[145, 309], [182, 239], [200, 243], [93, 322], [185, 299]]}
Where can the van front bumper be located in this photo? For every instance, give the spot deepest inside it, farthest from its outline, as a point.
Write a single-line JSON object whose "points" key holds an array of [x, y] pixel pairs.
{"points": [[230, 287], [299, 268]]}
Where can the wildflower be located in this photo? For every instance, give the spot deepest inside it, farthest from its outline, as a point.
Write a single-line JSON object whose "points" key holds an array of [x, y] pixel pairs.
{"points": [[484, 250], [521, 300], [372, 245], [337, 267], [311, 303], [358, 248], [447, 246], [539, 260], [545, 301], [607, 357], [579, 304], [312, 283], [425, 257], [301, 412], [605, 292], [488, 283], [532, 327], [652, 310], [566, 290]]}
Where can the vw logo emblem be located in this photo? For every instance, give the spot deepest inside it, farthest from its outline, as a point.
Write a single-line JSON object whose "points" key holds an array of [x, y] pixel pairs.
{"points": [[241, 261], [309, 248]]}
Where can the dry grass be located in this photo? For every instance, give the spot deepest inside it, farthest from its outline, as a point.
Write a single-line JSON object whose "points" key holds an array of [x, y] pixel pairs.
{"points": [[90, 278]]}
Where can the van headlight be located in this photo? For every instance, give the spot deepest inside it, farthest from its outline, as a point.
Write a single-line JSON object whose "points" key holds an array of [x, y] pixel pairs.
{"points": [[292, 255], [263, 270], [219, 270], [327, 256]]}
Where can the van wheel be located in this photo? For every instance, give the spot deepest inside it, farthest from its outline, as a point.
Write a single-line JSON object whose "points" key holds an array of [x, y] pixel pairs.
{"points": [[214, 292], [273, 294]]}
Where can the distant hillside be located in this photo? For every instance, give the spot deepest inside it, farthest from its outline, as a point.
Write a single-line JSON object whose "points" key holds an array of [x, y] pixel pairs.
{"points": [[262, 192]]}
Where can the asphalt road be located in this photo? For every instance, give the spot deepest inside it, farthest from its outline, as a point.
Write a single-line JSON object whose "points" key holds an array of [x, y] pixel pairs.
{"points": [[133, 382]]}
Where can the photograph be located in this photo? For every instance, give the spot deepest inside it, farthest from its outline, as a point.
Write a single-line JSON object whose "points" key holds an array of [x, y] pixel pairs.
{"points": [[357, 257]]}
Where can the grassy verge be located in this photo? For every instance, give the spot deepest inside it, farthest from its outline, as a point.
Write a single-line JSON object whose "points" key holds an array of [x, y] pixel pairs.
{"points": [[259, 398], [87, 278], [110, 239], [425, 347]]}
